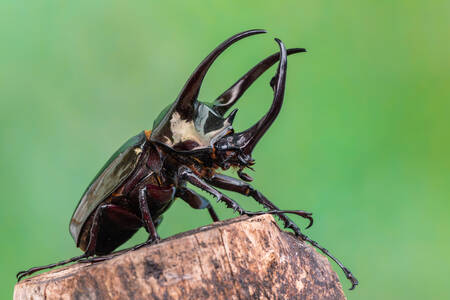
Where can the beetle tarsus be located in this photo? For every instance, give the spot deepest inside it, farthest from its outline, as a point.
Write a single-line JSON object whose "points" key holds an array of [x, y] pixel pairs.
{"points": [[30, 271], [148, 242], [96, 259], [235, 185], [346, 271]]}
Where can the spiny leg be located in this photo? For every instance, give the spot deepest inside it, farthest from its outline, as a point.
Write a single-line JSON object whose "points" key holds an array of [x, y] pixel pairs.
{"points": [[186, 174], [235, 185], [241, 187], [197, 201]]}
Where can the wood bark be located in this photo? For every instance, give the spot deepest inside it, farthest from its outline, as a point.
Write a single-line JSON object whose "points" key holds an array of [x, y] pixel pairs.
{"points": [[241, 258]]}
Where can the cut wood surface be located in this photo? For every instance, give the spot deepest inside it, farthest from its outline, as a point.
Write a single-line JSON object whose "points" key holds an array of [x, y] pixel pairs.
{"points": [[241, 258]]}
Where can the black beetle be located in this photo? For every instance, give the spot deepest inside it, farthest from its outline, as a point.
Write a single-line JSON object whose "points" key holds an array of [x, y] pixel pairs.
{"points": [[189, 142]]}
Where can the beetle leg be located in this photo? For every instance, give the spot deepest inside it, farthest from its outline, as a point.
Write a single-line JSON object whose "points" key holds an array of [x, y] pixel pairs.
{"points": [[241, 187], [146, 217], [186, 174], [89, 252], [30, 271], [112, 255], [197, 201], [235, 185]]}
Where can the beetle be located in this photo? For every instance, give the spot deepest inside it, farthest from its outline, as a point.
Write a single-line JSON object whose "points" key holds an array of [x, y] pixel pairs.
{"points": [[190, 141]]}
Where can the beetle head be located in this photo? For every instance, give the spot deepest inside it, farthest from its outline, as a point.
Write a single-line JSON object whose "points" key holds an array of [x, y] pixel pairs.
{"points": [[188, 125]]}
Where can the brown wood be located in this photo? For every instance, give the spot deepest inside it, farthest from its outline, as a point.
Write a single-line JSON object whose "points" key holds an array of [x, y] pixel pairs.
{"points": [[241, 258]]}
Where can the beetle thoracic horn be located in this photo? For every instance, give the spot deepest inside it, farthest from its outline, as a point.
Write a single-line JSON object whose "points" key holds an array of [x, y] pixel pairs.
{"points": [[232, 95], [248, 139], [189, 93]]}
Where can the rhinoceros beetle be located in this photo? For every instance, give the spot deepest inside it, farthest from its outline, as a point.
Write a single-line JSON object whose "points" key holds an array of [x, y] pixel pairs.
{"points": [[189, 142]]}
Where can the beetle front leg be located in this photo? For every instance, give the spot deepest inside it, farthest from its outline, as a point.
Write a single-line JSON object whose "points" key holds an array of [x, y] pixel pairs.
{"points": [[241, 187], [196, 201], [235, 185], [184, 173]]}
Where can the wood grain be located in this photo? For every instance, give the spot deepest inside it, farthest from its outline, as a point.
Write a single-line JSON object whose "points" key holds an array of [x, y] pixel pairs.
{"points": [[241, 258]]}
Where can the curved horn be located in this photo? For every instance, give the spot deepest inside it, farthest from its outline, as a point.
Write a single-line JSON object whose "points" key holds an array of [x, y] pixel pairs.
{"points": [[232, 95], [189, 93], [248, 139]]}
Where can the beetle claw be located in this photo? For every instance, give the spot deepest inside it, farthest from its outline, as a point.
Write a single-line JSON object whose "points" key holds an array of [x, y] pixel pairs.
{"points": [[20, 275], [350, 277]]}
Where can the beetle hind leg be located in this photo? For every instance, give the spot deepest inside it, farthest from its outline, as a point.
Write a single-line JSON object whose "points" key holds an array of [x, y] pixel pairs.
{"points": [[30, 271]]}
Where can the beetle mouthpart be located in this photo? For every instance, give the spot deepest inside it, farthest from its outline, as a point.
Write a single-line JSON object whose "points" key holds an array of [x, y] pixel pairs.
{"points": [[248, 139], [232, 95], [189, 93]]}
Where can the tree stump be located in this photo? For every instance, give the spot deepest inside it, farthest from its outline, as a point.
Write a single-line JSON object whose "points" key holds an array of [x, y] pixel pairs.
{"points": [[241, 258]]}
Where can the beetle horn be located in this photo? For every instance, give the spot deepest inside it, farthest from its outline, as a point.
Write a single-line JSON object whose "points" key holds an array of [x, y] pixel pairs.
{"points": [[232, 95], [189, 93], [248, 139]]}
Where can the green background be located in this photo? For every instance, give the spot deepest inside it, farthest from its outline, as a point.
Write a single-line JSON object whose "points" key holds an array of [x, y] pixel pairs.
{"points": [[362, 141]]}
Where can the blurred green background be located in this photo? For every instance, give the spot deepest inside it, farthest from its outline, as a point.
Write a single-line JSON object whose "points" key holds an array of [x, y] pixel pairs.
{"points": [[362, 141]]}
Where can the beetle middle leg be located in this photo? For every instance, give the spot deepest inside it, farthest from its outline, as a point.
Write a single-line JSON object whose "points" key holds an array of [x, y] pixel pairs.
{"points": [[196, 201], [147, 218]]}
